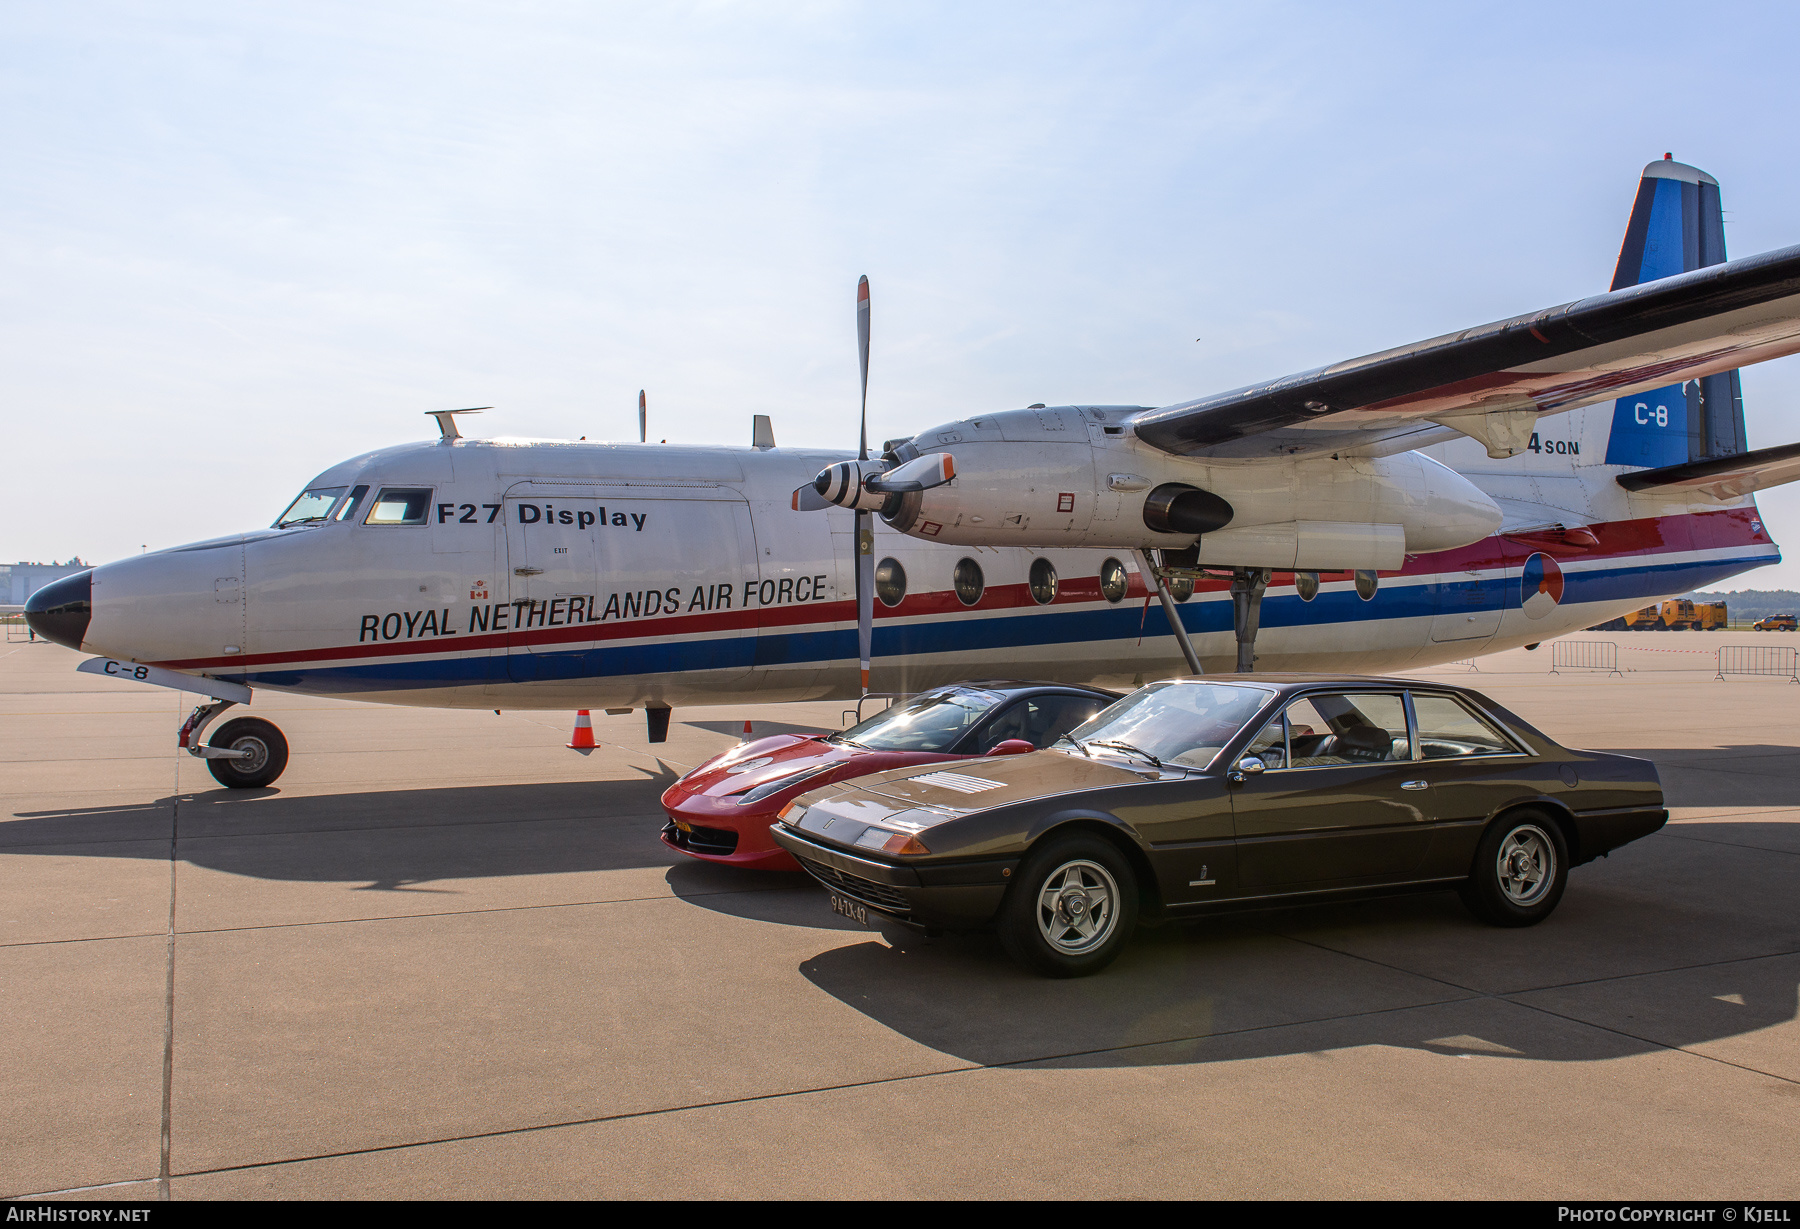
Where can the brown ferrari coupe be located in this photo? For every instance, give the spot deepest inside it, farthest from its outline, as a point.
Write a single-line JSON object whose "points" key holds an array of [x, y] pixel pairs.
{"points": [[1223, 792]]}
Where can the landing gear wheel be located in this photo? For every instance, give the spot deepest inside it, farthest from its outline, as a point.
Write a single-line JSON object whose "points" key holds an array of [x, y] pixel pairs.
{"points": [[1521, 868], [268, 753], [1071, 907]]}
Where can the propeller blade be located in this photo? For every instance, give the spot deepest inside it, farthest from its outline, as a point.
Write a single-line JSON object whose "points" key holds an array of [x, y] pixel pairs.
{"points": [[643, 419], [865, 526], [865, 591], [919, 474], [862, 341], [808, 499]]}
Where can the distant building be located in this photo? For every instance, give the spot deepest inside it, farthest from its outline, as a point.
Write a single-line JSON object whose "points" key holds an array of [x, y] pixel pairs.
{"points": [[19, 581]]}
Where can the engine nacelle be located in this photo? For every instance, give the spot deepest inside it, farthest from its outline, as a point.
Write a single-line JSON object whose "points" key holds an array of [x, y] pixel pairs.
{"points": [[1076, 477]]}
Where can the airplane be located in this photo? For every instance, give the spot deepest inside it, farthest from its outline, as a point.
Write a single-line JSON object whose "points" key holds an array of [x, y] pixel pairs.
{"points": [[1484, 490]]}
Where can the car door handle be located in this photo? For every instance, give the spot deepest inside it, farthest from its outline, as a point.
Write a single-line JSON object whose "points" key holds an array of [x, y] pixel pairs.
{"points": [[1414, 784]]}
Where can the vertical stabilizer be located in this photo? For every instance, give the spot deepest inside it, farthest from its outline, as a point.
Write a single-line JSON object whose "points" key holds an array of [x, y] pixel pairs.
{"points": [[1677, 225]]}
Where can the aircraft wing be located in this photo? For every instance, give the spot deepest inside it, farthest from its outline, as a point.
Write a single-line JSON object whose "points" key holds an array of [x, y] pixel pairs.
{"points": [[1493, 381], [1722, 477]]}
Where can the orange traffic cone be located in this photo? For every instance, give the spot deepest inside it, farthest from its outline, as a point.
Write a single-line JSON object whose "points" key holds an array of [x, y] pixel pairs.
{"points": [[746, 737], [583, 738]]}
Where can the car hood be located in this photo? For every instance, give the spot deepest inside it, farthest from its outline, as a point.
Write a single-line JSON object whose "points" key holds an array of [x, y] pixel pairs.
{"points": [[748, 766], [970, 785]]}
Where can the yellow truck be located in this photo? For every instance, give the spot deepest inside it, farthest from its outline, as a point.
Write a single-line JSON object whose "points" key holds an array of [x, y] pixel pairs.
{"points": [[1675, 615]]}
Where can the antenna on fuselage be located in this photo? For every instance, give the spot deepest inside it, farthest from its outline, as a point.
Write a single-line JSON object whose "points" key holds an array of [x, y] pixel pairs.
{"points": [[643, 419], [447, 422]]}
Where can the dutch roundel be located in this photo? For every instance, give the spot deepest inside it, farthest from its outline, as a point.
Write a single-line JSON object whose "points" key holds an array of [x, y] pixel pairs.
{"points": [[1540, 586]]}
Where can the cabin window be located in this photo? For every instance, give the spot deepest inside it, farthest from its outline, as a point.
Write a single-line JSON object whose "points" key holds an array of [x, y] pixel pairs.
{"points": [[1043, 581], [400, 505], [1113, 580], [313, 505], [1366, 584], [968, 581], [1306, 584], [1181, 588], [890, 582]]}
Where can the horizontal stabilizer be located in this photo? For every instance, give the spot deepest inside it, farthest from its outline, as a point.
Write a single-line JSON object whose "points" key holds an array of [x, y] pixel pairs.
{"points": [[1722, 477]]}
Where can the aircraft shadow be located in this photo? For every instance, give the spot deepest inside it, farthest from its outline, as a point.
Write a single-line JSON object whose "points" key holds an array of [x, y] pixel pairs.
{"points": [[758, 728], [411, 836], [1746, 774]]}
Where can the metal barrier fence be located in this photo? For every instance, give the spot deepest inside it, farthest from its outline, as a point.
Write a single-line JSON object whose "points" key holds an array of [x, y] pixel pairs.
{"points": [[1760, 660], [1468, 664], [1585, 655]]}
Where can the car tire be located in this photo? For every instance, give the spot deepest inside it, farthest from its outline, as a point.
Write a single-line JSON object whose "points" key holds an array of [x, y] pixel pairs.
{"points": [[1072, 907], [268, 753], [1510, 883]]}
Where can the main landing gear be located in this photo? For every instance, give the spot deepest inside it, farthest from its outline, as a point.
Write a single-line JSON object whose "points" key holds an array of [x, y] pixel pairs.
{"points": [[244, 753], [1247, 586]]}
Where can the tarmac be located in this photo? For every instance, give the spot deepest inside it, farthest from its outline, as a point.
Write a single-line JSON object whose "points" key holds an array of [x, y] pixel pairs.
{"points": [[446, 957]]}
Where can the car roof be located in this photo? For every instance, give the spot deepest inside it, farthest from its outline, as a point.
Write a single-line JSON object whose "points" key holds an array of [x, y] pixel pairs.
{"points": [[1286, 681], [1021, 686]]}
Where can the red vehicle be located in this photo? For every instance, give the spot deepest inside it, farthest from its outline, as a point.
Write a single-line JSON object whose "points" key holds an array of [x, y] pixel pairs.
{"points": [[722, 810]]}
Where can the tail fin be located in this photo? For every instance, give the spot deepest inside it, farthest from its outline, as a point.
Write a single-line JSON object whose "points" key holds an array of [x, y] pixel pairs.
{"points": [[1677, 225]]}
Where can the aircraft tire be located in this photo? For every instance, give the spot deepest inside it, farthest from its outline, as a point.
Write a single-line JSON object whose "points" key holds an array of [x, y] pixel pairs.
{"points": [[269, 753]]}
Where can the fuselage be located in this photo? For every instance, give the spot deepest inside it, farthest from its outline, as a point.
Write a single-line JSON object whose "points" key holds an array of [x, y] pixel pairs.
{"points": [[574, 575]]}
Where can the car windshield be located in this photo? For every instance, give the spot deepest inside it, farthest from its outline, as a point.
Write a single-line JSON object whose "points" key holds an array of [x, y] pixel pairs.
{"points": [[931, 722], [313, 505], [1174, 723]]}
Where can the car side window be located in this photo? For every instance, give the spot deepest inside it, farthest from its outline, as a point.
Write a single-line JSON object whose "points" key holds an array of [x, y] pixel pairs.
{"points": [[1448, 730], [1335, 730], [1270, 746], [1039, 720]]}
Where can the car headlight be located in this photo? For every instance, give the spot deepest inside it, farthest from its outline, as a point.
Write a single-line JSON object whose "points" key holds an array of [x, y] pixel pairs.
{"points": [[884, 841], [775, 786]]}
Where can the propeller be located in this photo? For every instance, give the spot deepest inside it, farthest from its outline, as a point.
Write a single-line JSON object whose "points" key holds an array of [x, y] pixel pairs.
{"points": [[866, 486]]}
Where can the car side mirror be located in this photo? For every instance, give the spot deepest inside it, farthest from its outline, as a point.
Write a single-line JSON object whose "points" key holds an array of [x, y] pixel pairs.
{"points": [[1244, 769], [1012, 746]]}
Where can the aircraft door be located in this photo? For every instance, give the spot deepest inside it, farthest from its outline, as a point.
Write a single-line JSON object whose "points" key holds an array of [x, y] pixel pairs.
{"points": [[552, 566], [685, 571], [1469, 605]]}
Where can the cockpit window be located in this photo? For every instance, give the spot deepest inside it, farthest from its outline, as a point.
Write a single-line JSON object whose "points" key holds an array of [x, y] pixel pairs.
{"points": [[347, 509], [400, 505], [313, 505]]}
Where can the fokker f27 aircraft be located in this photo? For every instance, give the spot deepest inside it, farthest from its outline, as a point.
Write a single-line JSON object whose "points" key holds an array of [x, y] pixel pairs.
{"points": [[1479, 491]]}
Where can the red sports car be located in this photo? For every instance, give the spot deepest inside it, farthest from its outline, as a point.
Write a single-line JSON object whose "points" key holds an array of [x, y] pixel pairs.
{"points": [[722, 810]]}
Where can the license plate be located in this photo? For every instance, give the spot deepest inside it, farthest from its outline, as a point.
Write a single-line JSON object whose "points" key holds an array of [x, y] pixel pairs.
{"points": [[843, 906]]}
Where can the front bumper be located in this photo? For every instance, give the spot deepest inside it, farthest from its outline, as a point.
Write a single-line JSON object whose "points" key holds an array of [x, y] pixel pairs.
{"points": [[951, 895]]}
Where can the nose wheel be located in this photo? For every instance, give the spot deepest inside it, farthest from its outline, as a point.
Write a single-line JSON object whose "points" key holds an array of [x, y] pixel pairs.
{"points": [[262, 753], [244, 753]]}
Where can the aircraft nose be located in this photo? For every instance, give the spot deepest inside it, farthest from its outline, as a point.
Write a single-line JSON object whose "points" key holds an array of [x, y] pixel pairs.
{"points": [[59, 612]]}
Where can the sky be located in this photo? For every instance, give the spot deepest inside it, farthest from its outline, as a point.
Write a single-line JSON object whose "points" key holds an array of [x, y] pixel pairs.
{"points": [[239, 243]]}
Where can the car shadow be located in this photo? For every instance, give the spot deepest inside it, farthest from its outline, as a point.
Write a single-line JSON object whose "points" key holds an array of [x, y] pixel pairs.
{"points": [[1414, 971], [786, 898]]}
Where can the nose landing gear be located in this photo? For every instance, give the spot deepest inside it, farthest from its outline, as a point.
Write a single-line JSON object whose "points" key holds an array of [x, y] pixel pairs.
{"points": [[244, 753]]}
